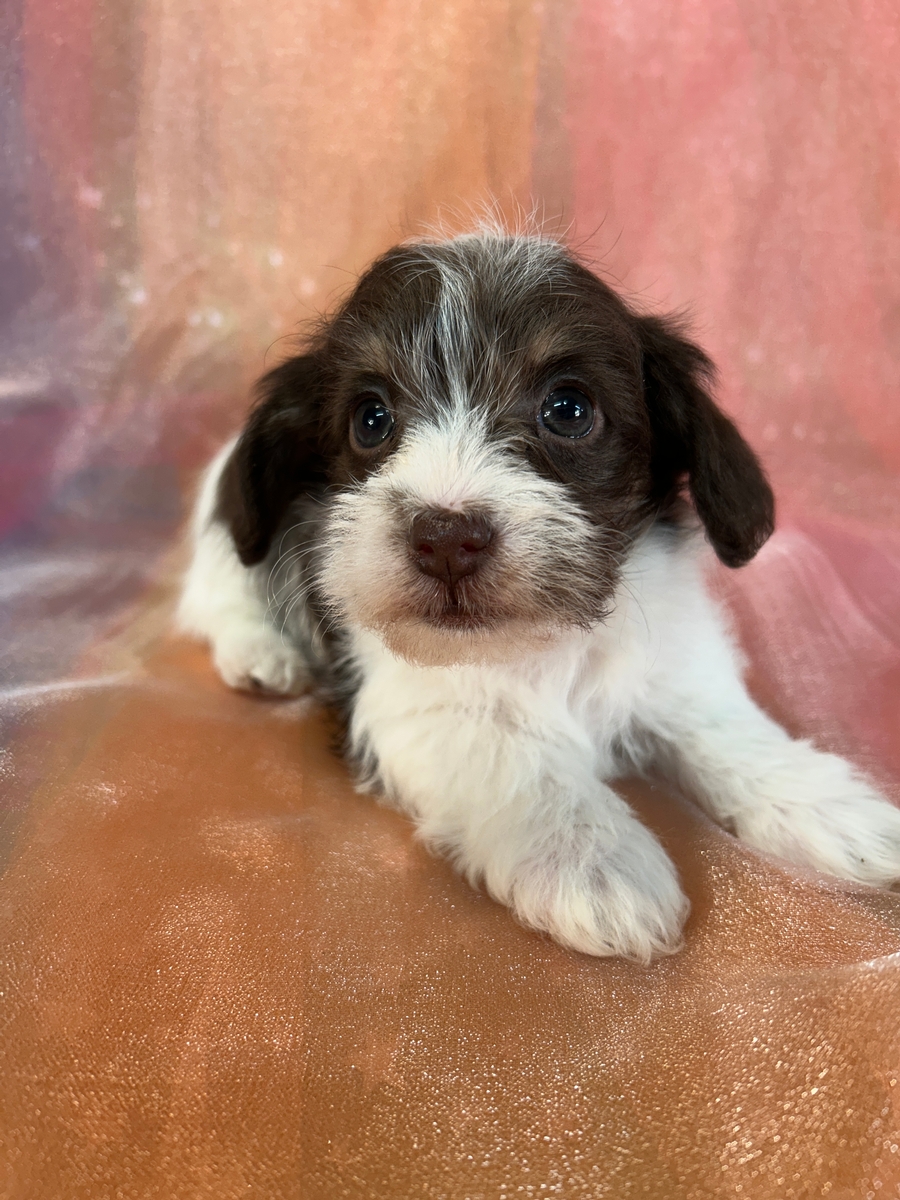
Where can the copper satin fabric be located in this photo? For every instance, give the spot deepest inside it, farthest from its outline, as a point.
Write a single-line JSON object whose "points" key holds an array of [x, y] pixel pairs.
{"points": [[224, 974]]}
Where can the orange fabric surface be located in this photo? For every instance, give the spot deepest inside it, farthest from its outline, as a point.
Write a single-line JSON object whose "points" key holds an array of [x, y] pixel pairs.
{"points": [[224, 974], [229, 975]]}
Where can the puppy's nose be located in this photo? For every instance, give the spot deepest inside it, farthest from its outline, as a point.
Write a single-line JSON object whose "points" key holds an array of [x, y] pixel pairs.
{"points": [[449, 545]]}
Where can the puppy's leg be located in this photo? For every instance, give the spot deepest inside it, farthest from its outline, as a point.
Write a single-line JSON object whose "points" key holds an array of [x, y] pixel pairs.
{"points": [[523, 811], [780, 795], [225, 603]]}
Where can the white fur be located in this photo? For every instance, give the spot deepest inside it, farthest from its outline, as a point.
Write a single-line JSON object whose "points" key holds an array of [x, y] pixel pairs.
{"points": [[225, 604], [449, 464], [505, 765], [501, 740]]}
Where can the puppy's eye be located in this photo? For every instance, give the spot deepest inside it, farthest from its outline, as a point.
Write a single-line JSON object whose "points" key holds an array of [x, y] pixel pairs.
{"points": [[372, 422], [567, 412]]}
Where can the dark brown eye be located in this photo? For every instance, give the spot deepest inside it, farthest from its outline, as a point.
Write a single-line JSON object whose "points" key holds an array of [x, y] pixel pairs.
{"points": [[568, 412], [372, 422]]}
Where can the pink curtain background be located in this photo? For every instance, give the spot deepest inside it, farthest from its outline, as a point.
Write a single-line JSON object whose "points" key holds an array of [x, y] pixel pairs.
{"points": [[182, 186]]}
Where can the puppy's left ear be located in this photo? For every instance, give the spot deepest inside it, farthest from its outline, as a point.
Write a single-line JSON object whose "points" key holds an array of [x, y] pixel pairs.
{"points": [[692, 436], [276, 458]]}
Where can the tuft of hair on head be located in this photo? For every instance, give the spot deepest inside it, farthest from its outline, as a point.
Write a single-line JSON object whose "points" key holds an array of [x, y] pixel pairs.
{"points": [[488, 219]]}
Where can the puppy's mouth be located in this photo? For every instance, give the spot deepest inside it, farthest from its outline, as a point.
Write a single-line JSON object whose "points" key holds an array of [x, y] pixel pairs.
{"points": [[445, 626], [457, 607], [458, 621]]}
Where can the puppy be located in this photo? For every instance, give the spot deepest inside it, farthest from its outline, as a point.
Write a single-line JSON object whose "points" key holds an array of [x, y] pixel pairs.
{"points": [[464, 514]]}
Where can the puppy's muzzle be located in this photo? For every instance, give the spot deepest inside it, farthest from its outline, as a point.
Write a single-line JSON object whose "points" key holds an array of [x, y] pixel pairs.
{"points": [[448, 545]]}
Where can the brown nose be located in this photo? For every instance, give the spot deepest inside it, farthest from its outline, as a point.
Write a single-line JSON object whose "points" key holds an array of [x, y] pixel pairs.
{"points": [[449, 545]]}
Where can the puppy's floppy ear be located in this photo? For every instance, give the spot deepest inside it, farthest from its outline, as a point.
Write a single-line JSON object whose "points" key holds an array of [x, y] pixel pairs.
{"points": [[691, 435], [276, 458]]}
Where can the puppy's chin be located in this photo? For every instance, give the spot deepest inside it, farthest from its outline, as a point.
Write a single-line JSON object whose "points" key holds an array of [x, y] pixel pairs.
{"points": [[430, 643]]}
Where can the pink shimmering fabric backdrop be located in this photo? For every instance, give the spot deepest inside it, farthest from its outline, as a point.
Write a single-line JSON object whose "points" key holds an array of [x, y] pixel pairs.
{"points": [[223, 973], [742, 162]]}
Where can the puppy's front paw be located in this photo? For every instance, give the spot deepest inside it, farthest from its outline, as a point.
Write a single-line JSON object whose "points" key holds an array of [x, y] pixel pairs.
{"points": [[254, 658], [622, 900], [831, 819]]}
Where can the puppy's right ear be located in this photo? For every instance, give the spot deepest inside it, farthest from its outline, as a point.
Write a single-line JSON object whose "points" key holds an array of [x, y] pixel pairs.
{"points": [[276, 458]]}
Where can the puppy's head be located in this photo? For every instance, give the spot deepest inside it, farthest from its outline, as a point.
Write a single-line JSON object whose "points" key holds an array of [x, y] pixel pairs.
{"points": [[491, 426]]}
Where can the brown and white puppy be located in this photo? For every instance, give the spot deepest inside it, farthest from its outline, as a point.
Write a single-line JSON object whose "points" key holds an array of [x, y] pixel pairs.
{"points": [[472, 511]]}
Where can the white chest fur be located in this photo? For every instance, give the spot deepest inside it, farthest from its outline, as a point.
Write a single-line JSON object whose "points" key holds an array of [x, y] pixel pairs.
{"points": [[505, 766]]}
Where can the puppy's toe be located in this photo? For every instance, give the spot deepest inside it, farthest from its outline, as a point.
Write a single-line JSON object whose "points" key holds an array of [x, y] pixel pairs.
{"points": [[625, 901], [255, 659]]}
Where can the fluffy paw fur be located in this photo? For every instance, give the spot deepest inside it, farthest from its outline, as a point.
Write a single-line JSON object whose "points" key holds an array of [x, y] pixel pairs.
{"points": [[254, 658], [823, 814], [622, 901]]}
